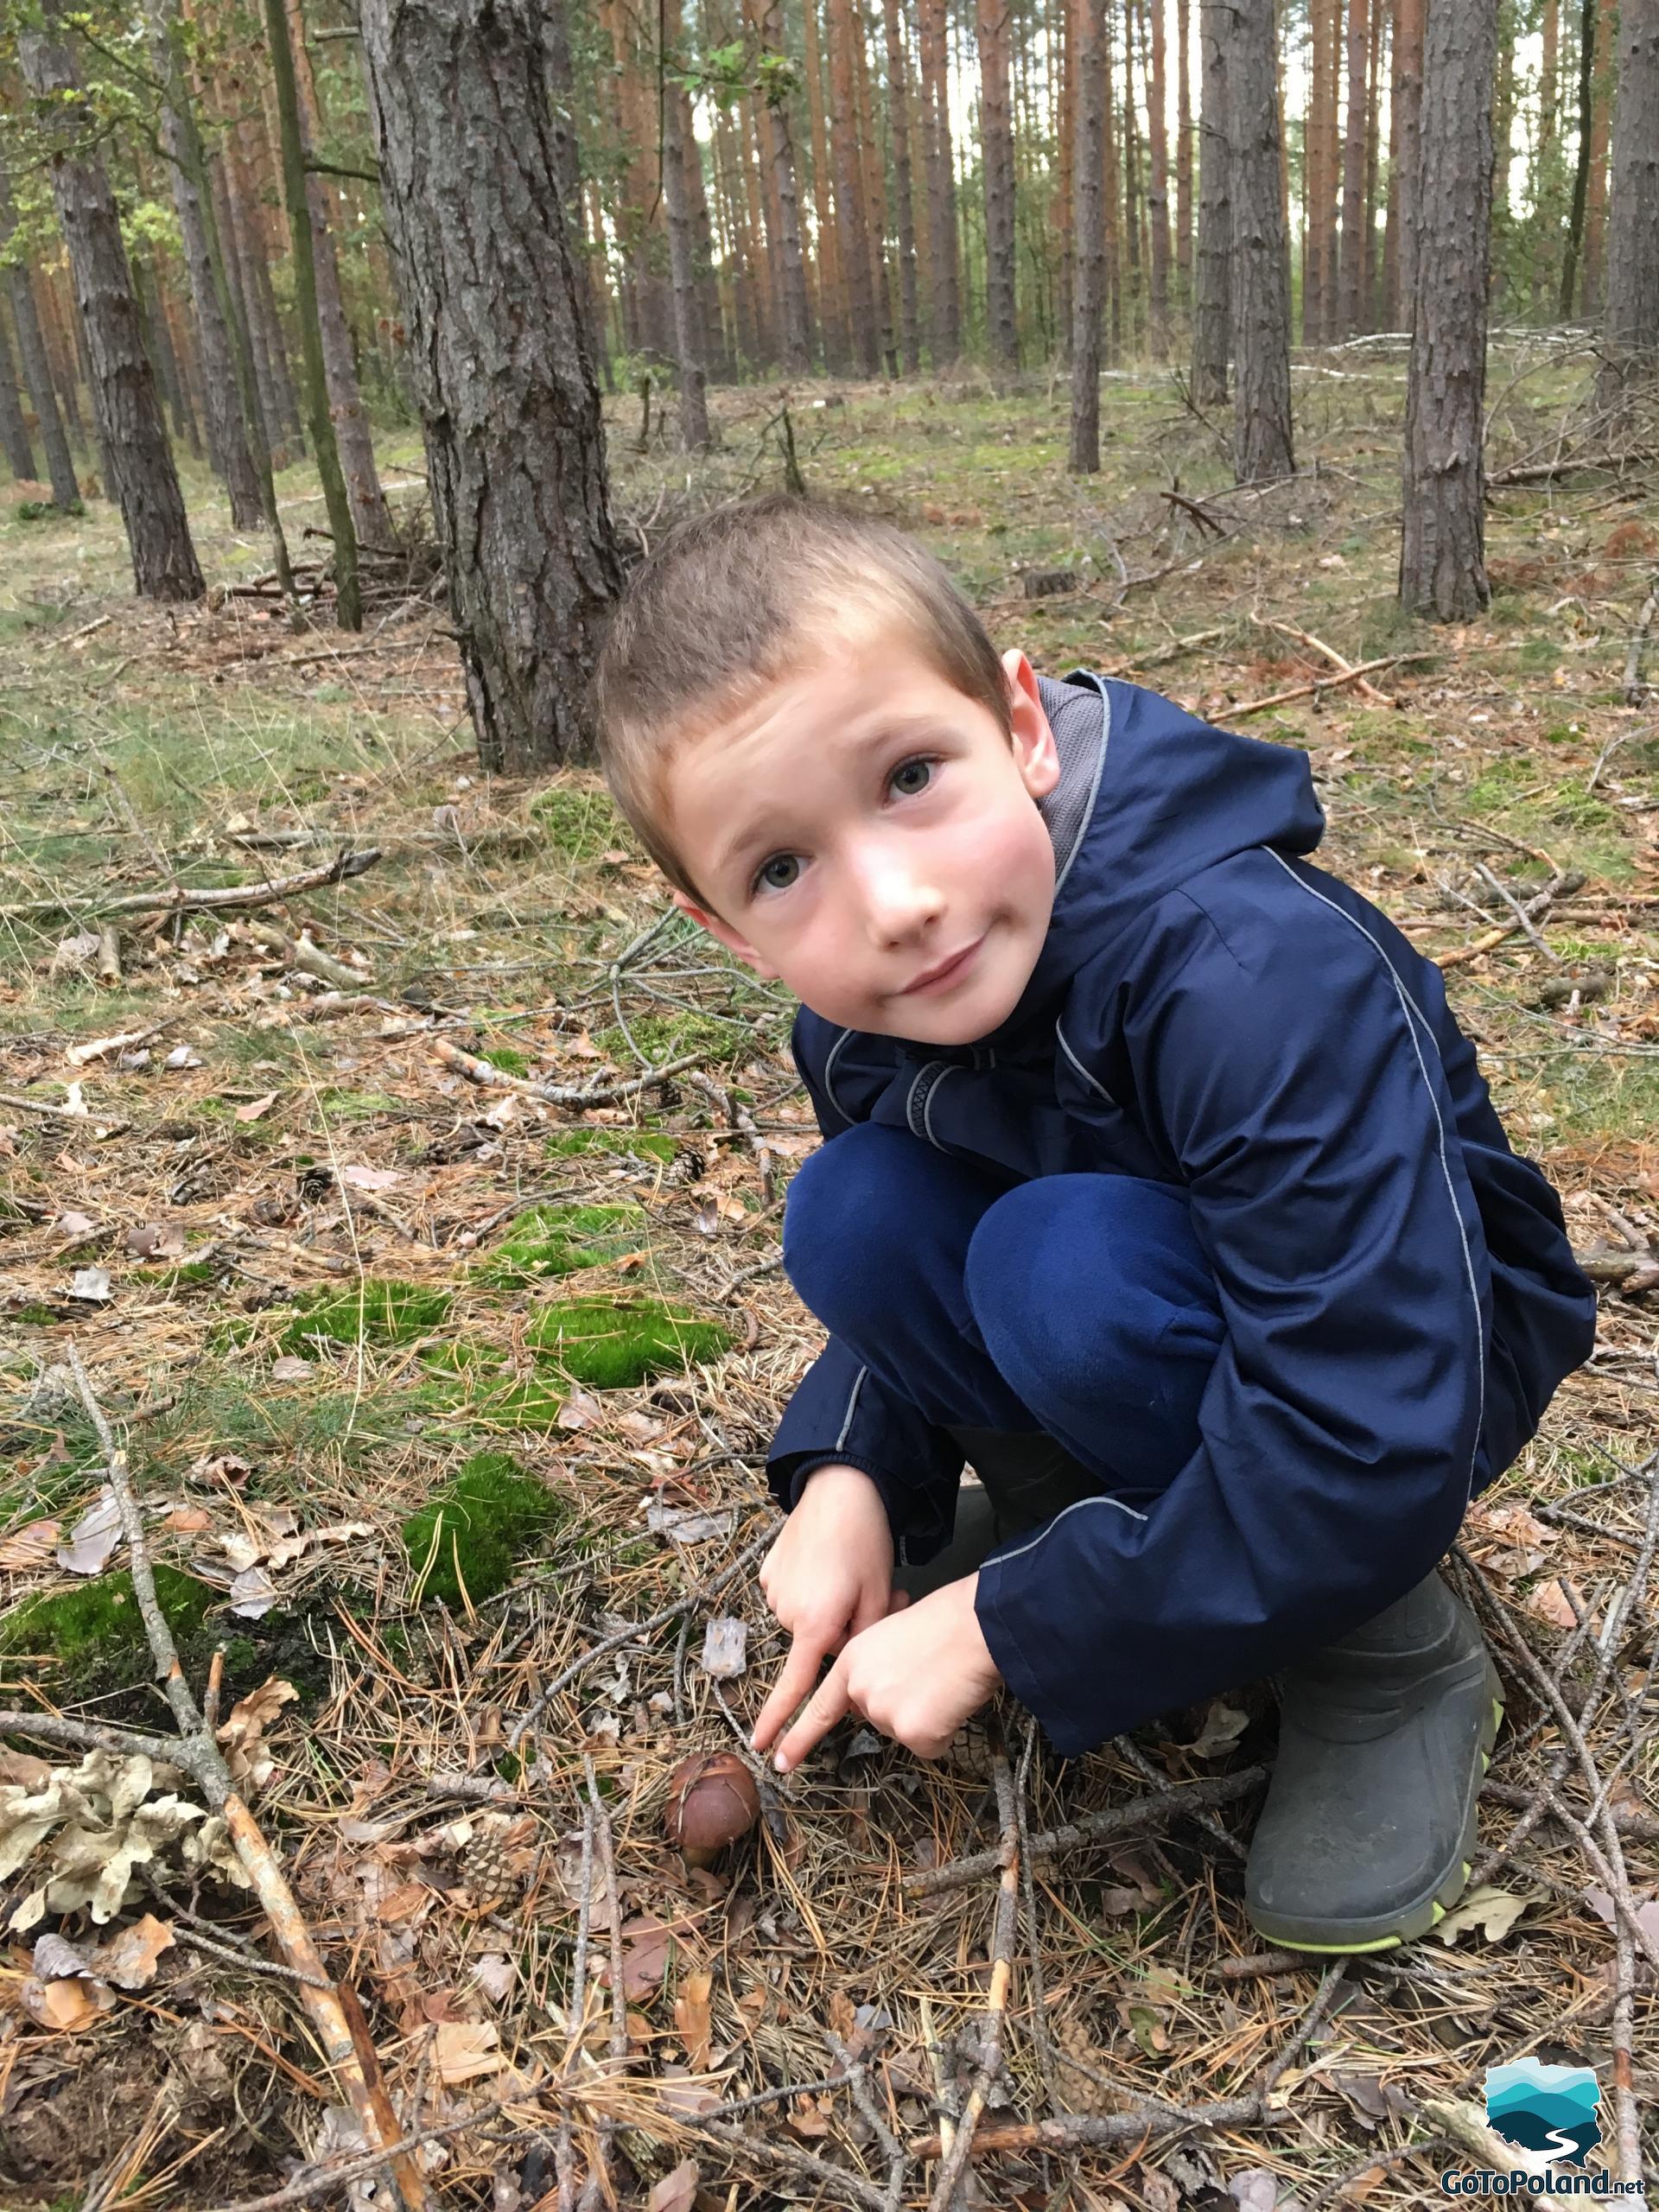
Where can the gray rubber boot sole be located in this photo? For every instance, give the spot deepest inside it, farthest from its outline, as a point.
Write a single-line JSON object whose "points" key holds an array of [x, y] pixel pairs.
{"points": [[1368, 1832]]}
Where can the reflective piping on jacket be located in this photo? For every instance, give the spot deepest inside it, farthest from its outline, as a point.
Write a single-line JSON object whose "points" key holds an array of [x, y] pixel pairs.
{"points": [[1003, 1558], [950, 1068], [1093, 1082], [918, 1098], [829, 1075], [1415, 1018], [1094, 781], [852, 1406]]}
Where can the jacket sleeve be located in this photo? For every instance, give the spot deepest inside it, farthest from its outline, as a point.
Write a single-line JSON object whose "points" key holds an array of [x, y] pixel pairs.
{"points": [[841, 1413], [1278, 1062]]}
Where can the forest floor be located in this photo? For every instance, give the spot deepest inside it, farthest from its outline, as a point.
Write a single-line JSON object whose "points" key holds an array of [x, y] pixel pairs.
{"points": [[340, 1298]]}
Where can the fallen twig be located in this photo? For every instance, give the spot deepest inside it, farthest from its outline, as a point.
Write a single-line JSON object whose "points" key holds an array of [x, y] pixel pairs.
{"points": [[1633, 685], [183, 900], [1345, 668], [1322, 683], [489, 1078], [1530, 909]]}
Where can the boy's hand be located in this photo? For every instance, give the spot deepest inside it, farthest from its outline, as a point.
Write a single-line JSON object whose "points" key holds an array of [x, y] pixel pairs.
{"points": [[916, 1675], [829, 1575]]}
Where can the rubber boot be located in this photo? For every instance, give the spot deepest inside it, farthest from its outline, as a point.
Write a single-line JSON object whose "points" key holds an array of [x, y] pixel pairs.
{"points": [[1368, 1827], [1025, 1480]]}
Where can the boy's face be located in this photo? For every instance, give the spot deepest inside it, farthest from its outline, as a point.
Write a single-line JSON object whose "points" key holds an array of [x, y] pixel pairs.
{"points": [[861, 824]]}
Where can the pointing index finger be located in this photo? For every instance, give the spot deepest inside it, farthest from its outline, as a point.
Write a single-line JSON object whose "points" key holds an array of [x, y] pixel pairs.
{"points": [[829, 1703]]}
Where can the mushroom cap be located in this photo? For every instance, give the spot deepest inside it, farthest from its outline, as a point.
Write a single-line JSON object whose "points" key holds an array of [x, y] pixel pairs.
{"points": [[712, 1800]]}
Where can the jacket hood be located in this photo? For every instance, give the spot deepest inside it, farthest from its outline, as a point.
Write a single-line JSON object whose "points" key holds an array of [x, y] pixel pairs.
{"points": [[1149, 796]]}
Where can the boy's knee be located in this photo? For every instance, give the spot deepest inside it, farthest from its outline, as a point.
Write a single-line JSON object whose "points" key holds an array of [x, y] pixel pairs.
{"points": [[844, 1215]]}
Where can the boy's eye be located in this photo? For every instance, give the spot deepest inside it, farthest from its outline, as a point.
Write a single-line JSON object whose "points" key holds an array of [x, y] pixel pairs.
{"points": [[764, 877], [909, 768]]}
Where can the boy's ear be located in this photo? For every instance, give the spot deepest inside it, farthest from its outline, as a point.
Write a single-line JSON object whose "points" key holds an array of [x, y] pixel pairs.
{"points": [[727, 936], [1035, 752]]}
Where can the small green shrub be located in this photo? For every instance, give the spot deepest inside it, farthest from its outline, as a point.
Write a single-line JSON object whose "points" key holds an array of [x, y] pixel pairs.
{"points": [[470, 1534], [46, 510], [609, 1343], [372, 1314], [560, 1240]]}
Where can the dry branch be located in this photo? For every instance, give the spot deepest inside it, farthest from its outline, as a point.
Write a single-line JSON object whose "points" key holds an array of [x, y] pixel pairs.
{"points": [[1530, 909], [489, 1078], [1333, 682], [231, 899]]}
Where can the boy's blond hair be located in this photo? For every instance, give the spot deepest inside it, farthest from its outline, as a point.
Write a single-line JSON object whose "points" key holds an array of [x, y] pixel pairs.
{"points": [[729, 603]]}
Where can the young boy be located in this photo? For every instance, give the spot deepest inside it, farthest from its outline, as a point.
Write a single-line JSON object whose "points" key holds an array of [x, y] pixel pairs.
{"points": [[1160, 1185]]}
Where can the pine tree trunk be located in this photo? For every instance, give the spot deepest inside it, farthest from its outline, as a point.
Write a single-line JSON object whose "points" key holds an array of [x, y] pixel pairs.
{"points": [[853, 233], [1601, 108], [1544, 144], [946, 303], [228, 213], [1570, 260], [1373, 96], [1353, 172], [158, 344], [790, 307], [875, 197], [562, 98], [1157, 190], [143, 478], [1211, 309], [14, 432], [1442, 548], [1133, 261], [1112, 340], [1184, 151], [264, 250], [35, 363], [371, 517], [1087, 229], [1630, 331], [677, 193], [1405, 175], [832, 289], [1262, 446], [515, 446], [61, 351], [1313, 169], [903, 186]]}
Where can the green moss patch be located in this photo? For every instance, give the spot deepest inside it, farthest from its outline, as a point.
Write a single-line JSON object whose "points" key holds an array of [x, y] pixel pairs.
{"points": [[469, 1536], [559, 1240], [370, 1313], [581, 823], [505, 1057], [98, 1622], [625, 1144], [609, 1343]]}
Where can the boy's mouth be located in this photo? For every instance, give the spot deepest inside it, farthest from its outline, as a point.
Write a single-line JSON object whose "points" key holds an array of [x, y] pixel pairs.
{"points": [[945, 972]]}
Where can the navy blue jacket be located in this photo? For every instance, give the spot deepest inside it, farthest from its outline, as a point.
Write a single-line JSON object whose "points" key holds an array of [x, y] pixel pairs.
{"points": [[1399, 1296]]}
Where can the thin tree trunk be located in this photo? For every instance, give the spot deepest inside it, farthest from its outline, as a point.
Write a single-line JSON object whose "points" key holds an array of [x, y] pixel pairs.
{"points": [[1313, 176], [903, 184], [832, 290], [1063, 33], [1263, 447], [36, 364], [1630, 331], [853, 233], [515, 445], [158, 344], [1211, 310], [1353, 171], [1595, 212], [1184, 150], [1110, 196], [1581, 172], [142, 475], [61, 353], [563, 100], [759, 260], [13, 431], [1442, 547], [1405, 181], [1158, 191], [716, 348], [264, 250], [1088, 231], [348, 599], [874, 182], [1373, 96], [946, 303], [229, 212], [677, 192], [1503, 134], [1135, 261], [1544, 148], [791, 310]]}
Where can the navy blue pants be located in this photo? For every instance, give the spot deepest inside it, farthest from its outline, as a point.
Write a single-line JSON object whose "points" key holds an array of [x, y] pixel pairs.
{"points": [[1078, 1305]]}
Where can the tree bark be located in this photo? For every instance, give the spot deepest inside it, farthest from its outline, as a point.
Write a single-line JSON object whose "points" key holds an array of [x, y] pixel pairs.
{"points": [[1353, 172], [1442, 548], [945, 303], [36, 364], [348, 599], [515, 447], [60, 353], [561, 100], [1184, 151], [1088, 231], [1405, 176], [1262, 445], [371, 517], [142, 475], [1544, 147], [1157, 186], [875, 196], [158, 344], [1630, 331], [903, 184], [13, 431], [789, 308], [1595, 209], [1211, 310], [1373, 99], [677, 192], [832, 287], [1314, 273], [853, 233], [1581, 171]]}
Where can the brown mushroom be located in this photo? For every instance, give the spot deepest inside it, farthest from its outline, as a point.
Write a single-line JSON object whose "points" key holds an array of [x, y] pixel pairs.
{"points": [[712, 1800]]}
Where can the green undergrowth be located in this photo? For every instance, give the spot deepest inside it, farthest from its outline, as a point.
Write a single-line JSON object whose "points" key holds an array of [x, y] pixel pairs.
{"points": [[463, 1543], [372, 1312], [668, 1037], [611, 1344], [624, 1144], [560, 1240], [97, 1623], [580, 823]]}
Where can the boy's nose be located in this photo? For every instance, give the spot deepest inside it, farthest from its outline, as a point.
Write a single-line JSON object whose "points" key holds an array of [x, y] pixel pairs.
{"points": [[899, 900]]}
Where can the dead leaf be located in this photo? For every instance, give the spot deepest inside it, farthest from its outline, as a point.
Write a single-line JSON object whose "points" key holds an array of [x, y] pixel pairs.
{"points": [[692, 2017], [96, 1536], [676, 2192], [368, 1178], [129, 1959], [156, 1240], [1551, 1603], [646, 1942], [188, 1520], [219, 1467], [1223, 1725], [29, 1546], [90, 1286], [1647, 1912], [242, 1736], [503, 1113], [462, 2049], [182, 1056], [63, 2006], [288, 1368], [683, 1525], [725, 1645], [580, 1408], [74, 1226], [1493, 1912], [255, 1108], [252, 1593], [497, 1976], [56, 1957]]}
